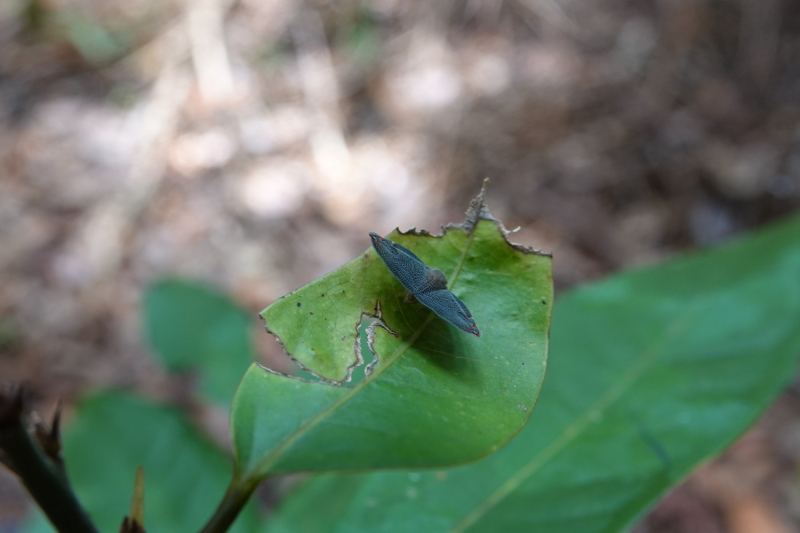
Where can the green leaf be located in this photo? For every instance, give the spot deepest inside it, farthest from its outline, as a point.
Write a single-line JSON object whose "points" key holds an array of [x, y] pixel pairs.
{"points": [[185, 474], [652, 372], [436, 395], [95, 43], [196, 328]]}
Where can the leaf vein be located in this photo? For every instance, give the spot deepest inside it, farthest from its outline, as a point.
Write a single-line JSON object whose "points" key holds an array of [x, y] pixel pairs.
{"points": [[263, 466], [572, 431]]}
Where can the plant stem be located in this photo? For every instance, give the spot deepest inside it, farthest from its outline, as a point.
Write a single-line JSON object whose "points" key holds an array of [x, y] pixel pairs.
{"points": [[43, 478], [231, 505]]}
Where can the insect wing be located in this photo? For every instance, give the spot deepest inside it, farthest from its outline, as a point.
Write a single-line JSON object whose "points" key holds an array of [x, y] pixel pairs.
{"points": [[448, 306], [463, 307], [406, 251], [406, 267]]}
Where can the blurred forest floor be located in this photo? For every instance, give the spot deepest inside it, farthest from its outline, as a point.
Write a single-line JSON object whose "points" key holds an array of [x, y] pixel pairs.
{"points": [[253, 144]]}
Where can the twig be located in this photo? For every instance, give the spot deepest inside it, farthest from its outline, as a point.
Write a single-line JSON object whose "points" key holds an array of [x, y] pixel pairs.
{"points": [[43, 477], [134, 522], [205, 22], [231, 505]]}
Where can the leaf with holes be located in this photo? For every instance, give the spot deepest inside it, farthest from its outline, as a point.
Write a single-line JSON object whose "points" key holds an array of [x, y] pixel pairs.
{"points": [[652, 372], [433, 395]]}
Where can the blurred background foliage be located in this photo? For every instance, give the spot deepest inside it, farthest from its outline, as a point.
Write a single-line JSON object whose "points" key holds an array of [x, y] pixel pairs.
{"points": [[252, 145]]}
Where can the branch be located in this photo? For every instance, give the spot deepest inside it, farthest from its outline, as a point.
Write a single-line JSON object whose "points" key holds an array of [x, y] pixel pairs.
{"points": [[231, 505], [39, 466], [133, 523]]}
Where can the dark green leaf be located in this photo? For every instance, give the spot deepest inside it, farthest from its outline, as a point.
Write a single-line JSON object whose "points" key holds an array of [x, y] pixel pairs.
{"points": [[437, 395], [651, 372], [186, 475], [194, 327]]}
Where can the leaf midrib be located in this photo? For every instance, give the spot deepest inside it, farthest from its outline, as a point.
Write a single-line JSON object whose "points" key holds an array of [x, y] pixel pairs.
{"points": [[262, 468], [574, 430]]}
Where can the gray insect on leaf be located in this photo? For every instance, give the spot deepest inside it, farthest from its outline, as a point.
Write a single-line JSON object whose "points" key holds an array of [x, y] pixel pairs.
{"points": [[428, 285]]}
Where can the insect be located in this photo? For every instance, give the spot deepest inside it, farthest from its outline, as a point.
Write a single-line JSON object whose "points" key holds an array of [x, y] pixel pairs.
{"points": [[428, 285]]}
